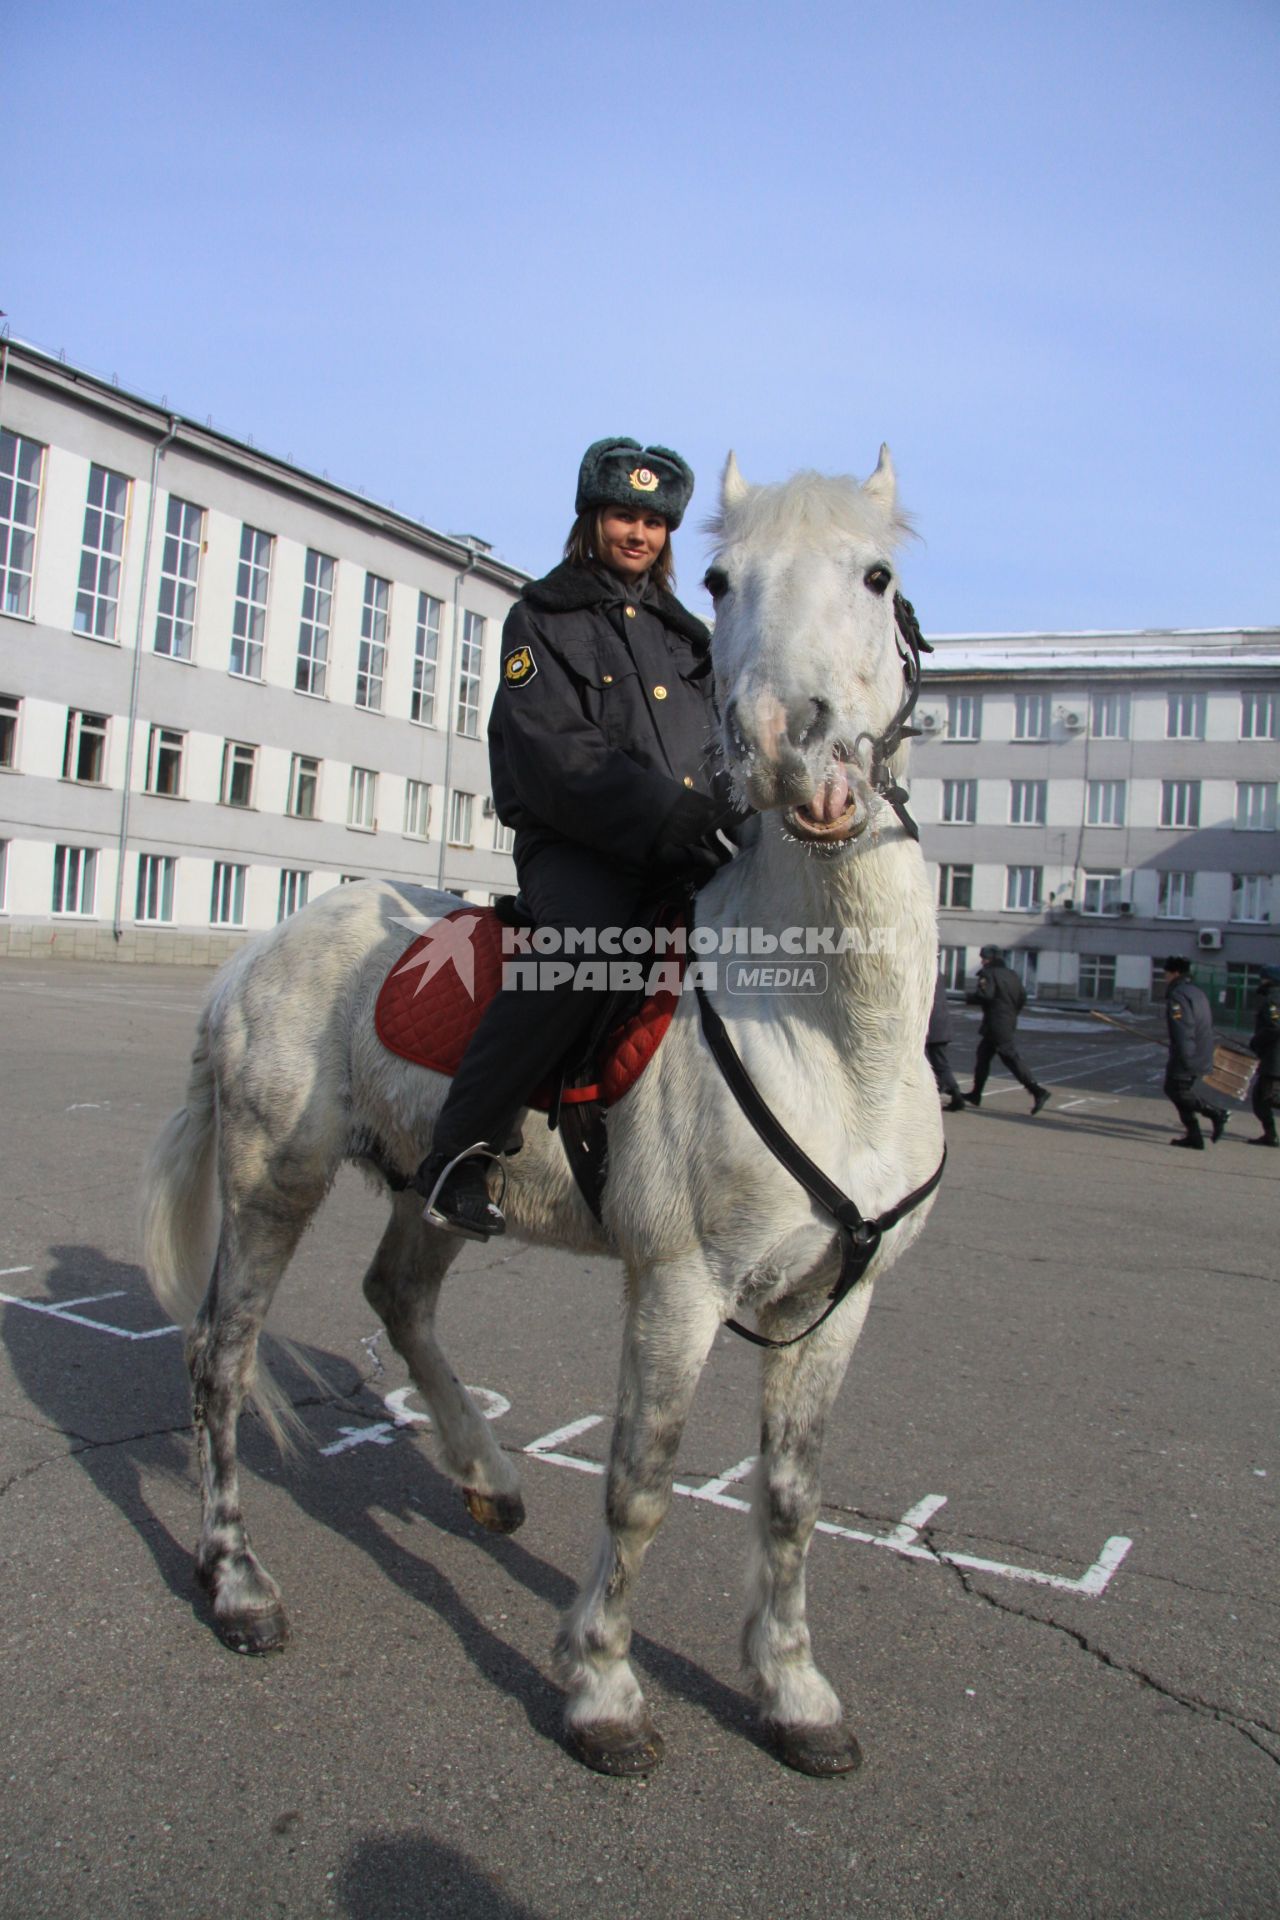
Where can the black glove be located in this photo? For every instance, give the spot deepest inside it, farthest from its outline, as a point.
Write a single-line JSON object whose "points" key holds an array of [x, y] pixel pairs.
{"points": [[693, 821]]}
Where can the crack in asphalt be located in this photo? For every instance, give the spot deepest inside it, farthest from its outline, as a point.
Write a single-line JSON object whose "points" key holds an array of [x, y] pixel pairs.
{"points": [[1251, 1727]]}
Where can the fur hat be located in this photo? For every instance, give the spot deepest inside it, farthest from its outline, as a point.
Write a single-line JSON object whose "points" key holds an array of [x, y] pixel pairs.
{"points": [[622, 473], [991, 953], [1270, 976], [1176, 963]]}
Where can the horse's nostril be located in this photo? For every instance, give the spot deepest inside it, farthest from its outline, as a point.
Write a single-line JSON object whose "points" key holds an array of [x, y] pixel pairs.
{"points": [[817, 723]]}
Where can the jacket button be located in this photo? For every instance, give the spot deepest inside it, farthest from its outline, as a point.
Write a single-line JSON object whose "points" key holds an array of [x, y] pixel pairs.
{"points": [[659, 693], [608, 679], [688, 779], [631, 613]]}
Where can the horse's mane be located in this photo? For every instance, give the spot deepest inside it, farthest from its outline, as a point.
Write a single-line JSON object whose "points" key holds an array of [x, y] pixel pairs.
{"points": [[811, 509]]}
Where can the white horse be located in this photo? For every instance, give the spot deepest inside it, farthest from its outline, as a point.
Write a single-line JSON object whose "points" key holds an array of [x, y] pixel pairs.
{"points": [[288, 1080]]}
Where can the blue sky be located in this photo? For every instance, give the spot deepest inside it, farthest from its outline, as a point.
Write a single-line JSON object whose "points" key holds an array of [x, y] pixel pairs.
{"points": [[436, 248]]}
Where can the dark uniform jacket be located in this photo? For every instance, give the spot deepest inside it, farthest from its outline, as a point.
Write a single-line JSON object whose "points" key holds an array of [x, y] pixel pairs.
{"points": [[1190, 1024], [1265, 1040], [1001, 995], [603, 719], [939, 1033]]}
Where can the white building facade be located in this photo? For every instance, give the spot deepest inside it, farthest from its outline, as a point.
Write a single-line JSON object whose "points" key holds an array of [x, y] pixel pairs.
{"points": [[225, 685], [1092, 803]]}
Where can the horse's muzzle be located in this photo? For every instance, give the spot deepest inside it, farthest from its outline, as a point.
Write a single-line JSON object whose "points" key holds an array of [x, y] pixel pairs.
{"points": [[838, 810]]}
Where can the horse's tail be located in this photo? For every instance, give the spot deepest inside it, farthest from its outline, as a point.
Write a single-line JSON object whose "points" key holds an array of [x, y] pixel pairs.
{"points": [[178, 1214]]}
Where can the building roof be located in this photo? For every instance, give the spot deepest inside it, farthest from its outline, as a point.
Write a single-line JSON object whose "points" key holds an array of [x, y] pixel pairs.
{"points": [[1116, 655]]}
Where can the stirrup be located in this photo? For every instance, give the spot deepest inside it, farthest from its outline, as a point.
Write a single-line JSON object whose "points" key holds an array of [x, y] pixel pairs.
{"points": [[432, 1214]]}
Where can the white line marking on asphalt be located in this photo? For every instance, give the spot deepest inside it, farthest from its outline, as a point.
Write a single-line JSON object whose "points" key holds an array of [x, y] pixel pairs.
{"points": [[57, 1311], [1059, 1079], [6, 1271], [542, 1449]]}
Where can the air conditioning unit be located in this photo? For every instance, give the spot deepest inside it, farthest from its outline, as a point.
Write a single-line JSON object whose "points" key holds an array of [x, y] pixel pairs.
{"points": [[1124, 906], [1209, 939], [1071, 719], [487, 807], [930, 722]]}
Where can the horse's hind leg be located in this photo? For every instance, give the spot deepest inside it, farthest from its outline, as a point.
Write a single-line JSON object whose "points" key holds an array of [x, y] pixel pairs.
{"points": [[799, 1709], [254, 1248], [403, 1287]]}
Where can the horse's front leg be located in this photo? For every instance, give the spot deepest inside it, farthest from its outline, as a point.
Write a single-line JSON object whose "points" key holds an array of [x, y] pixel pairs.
{"points": [[672, 1319], [799, 1709]]}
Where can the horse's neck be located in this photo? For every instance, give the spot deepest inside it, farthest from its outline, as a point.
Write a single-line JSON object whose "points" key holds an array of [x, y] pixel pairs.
{"points": [[876, 904]]}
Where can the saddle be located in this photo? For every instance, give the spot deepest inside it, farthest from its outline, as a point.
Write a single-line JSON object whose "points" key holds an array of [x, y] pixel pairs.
{"points": [[432, 1001]]}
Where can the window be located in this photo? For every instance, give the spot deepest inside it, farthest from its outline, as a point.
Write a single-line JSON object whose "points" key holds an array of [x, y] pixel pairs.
{"points": [[164, 761], [1023, 889], [964, 716], [4, 876], [460, 805], [1180, 803], [417, 808], [1185, 720], [1025, 962], [955, 886], [959, 802], [75, 879], [1250, 896], [1028, 802], [1256, 805], [238, 765], [470, 661], [21, 466], [101, 549], [179, 577], [1097, 976], [1260, 716], [155, 886], [84, 752], [372, 663], [362, 800], [1102, 892], [1109, 716], [304, 783], [294, 882], [1244, 977], [951, 966], [1176, 894], [1106, 803], [313, 628], [426, 658], [249, 620], [226, 903], [1031, 716], [504, 838], [9, 709]]}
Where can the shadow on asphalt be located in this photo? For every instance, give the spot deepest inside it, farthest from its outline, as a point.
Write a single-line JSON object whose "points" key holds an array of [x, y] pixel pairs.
{"points": [[402, 1879], [80, 1383]]}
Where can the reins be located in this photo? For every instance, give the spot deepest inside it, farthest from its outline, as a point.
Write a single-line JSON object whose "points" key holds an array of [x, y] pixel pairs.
{"points": [[859, 1237], [911, 644]]}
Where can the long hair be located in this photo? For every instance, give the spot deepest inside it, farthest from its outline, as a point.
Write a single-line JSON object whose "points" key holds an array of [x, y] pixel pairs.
{"points": [[582, 548]]}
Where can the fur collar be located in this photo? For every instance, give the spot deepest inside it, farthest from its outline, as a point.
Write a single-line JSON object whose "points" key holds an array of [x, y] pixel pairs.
{"points": [[570, 589]]}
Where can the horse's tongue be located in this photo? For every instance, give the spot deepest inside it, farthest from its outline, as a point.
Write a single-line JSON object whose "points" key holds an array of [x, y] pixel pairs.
{"points": [[831, 799]]}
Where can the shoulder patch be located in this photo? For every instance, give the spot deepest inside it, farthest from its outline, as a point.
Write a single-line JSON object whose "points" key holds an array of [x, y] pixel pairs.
{"points": [[518, 667]]}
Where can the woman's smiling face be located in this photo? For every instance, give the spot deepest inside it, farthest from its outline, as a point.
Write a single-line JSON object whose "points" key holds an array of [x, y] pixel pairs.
{"points": [[630, 539]]}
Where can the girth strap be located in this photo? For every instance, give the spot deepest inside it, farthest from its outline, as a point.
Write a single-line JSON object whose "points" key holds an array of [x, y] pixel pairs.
{"points": [[859, 1237]]}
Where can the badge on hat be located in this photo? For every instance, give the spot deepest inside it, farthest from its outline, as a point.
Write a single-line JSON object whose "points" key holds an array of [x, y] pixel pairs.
{"points": [[643, 479], [519, 667]]}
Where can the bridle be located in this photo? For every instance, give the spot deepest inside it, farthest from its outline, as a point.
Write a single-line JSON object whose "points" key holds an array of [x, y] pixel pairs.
{"points": [[910, 643]]}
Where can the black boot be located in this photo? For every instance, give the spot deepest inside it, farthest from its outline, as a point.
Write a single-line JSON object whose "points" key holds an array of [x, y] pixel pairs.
{"points": [[1218, 1121], [956, 1104], [456, 1190], [1039, 1100]]}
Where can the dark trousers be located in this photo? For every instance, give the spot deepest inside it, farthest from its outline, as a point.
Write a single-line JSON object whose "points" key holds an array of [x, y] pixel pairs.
{"points": [[1264, 1100], [935, 1052], [990, 1049], [1180, 1087], [523, 1036]]}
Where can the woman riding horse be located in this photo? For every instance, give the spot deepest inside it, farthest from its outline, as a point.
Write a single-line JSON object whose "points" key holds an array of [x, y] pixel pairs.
{"points": [[597, 747]]}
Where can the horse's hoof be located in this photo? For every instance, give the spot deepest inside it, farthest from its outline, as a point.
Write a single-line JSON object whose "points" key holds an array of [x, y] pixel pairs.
{"points": [[607, 1746], [496, 1512], [255, 1632], [817, 1751]]}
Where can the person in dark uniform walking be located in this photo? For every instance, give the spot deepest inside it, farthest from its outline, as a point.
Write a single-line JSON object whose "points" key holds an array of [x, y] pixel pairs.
{"points": [[598, 745], [936, 1042], [1265, 1042], [1190, 1024], [1002, 996]]}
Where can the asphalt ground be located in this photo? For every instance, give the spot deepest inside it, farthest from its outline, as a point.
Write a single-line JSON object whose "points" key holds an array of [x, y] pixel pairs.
{"points": [[1045, 1587]]}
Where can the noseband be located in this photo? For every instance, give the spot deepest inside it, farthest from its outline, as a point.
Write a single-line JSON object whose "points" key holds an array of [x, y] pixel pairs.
{"points": [[911, 643]]}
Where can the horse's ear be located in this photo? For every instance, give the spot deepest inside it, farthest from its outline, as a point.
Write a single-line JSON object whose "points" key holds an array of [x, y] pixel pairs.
{"points": [[733, 488], [883, 484]]}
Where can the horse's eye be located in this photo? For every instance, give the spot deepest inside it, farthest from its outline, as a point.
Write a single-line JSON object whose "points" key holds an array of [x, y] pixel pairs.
{"points": [[877, 578], [716, 582]]}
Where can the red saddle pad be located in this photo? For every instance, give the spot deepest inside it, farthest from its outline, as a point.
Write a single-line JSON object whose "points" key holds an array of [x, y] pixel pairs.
{"points": [[430, 1004]]}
